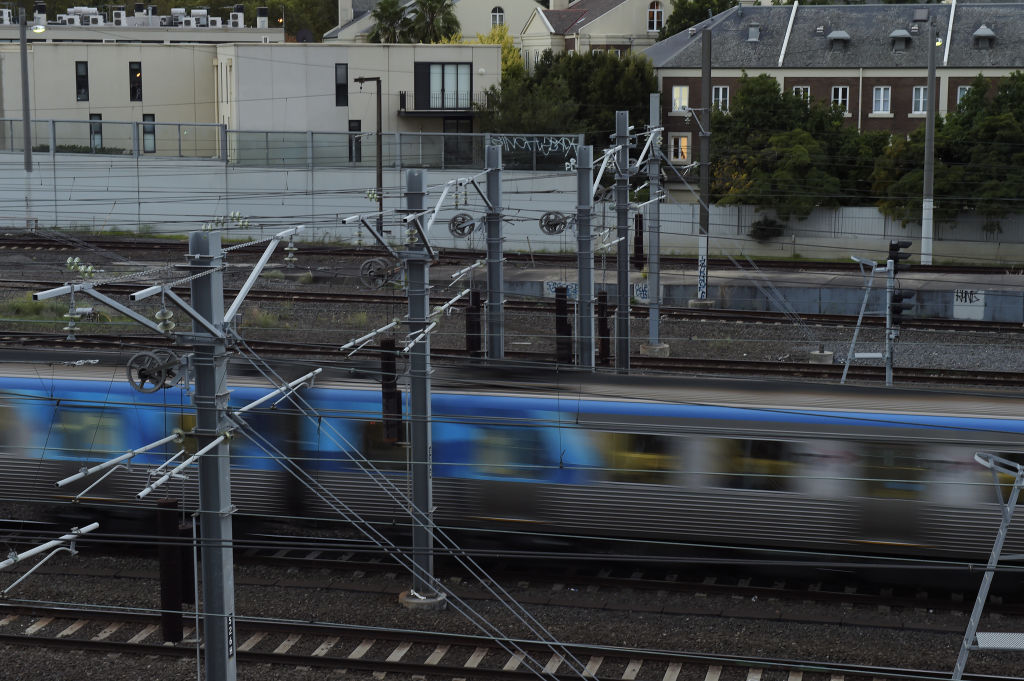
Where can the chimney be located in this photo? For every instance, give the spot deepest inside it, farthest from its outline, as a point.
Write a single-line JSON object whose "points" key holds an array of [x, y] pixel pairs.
{"points": [[345, 12]]}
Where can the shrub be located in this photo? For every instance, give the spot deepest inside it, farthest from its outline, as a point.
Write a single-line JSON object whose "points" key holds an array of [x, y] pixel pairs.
{"points": [[766, 229]]}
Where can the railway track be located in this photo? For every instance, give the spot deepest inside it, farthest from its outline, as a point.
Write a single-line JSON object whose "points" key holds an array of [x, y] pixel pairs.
{"points": [[408, 654], [520, 360], [547, 307], [448, 256]]}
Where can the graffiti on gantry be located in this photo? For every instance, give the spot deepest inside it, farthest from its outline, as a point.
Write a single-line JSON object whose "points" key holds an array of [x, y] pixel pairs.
{"points": [[545, 145], [966, 296]]}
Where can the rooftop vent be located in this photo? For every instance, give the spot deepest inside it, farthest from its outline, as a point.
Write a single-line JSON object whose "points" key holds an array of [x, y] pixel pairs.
{"points": [[838, 38], [984, 37], [899, 39], [820, 30]]}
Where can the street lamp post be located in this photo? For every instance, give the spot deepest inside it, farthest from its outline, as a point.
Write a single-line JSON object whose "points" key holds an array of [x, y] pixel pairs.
{"points": [[380, 153]]}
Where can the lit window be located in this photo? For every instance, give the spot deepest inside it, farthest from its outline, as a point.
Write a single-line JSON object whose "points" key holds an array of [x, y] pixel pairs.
{"points": [[655, 16], [841, 97], [135, 81], [720, 97], [680, 97], [920, 101], [679, 148], [880, 101], [497, 16]]}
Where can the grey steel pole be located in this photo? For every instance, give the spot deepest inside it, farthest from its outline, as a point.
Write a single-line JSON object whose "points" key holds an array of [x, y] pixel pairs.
{"points": [[705, 164], [417, 262], [26, 117], [585, 254], [495, 267], [890, 277], [622, 232], [380, 163], [211, 400], [654, 226], [928, 201]]}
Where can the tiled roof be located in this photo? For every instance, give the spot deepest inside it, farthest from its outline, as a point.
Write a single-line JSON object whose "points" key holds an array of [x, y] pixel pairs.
{"points": [[578, 14], [870, 44]]}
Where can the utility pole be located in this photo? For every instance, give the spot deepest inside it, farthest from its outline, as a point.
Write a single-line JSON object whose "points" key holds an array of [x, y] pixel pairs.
{"points": [[622, 232], [654, 228], [417, 262], [928, 201], [705, 164], [380, 152], [495, 258], [26, 116], [211, 400], [585, 254]]}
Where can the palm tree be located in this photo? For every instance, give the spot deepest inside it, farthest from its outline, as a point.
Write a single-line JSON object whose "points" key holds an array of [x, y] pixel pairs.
{"points": [[433, 20], [391, 23]]}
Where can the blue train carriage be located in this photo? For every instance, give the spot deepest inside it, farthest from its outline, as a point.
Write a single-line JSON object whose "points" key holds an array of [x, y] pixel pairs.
{"points": [[58, 427], [797, 478]]}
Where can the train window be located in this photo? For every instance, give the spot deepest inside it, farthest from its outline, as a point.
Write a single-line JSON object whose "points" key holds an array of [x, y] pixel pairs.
{"points": [[84, 432], [891, 472], [510, 453], [757, 464], [636, 457]]}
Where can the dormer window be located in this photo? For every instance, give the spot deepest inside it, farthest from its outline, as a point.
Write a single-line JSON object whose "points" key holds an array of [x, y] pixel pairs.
{"points": [[984, 38], [753, 33], [900, 40], [838, 40]]}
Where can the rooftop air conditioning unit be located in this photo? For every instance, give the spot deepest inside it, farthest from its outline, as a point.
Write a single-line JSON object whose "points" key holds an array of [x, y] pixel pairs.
{"points": [[119, 18], [188, 22], [5, 16], [214, 22], [237, 19]]}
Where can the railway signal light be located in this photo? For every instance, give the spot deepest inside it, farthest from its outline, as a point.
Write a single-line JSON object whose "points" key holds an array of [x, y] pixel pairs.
{"points": [[896, 256], [897, 306]]}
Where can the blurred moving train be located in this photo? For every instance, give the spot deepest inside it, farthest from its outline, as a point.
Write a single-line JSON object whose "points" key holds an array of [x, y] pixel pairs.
{"points": [[726, 463]]}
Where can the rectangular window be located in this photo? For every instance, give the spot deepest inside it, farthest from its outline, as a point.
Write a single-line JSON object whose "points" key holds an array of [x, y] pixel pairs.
{"points": [[720, 97], [148, 134], [920, 101], [82, 81], [841, 97], [802, 91], [880, 101], [135, 81], [450, 86], [680, 97], [961, 92], [341, 85], [355, 142], [679, 148], [95, 132]]}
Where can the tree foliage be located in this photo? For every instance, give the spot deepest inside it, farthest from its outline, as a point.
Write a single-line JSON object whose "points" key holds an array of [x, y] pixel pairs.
{"points": [[423, 21], [779, 152], [572, 93], [390, 25], [978, 159], [687, 13]]}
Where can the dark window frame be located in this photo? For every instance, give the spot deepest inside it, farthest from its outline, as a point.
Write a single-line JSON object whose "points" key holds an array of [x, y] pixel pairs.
{"points": [[341, 85], [135, 81], [95, 131], [148, 134], [82, 81]]}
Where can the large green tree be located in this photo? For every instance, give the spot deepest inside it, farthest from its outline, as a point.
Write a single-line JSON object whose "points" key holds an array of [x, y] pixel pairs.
{"points": [[978, 159], [390, 24], [432, 21], [575, 92], [780, 152]]}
